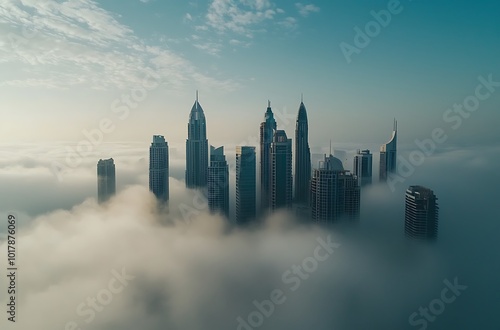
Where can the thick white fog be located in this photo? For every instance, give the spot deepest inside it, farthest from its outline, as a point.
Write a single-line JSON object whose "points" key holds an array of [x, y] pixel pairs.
{"points": [[123, 265]]}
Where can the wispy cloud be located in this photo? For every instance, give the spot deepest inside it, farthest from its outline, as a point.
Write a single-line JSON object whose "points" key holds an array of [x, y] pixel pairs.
{"points": [[289, 23], [239, 17], [79, 43], [305, 10]]}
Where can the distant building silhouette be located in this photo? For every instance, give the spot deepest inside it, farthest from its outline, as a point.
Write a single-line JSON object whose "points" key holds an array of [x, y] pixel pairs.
{"points": [[302, 157], [267, 128], [196, 148], [388, 154], [363, 167], [106, 180], [245, 184], [335, 193], [218, 182], [158, 168], [421, 213], [281, 171]]}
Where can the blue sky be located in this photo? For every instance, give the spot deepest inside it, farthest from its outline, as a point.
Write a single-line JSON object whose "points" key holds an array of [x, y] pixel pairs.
{"points": [[64, 63]]}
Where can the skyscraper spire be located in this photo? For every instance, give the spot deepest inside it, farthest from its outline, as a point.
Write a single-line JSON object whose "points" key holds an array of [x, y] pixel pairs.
{"points": [[196, 148], [302, 156], [301, 97], [267, 128]]}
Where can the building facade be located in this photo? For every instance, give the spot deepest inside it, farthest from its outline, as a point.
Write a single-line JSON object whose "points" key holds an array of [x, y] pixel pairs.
{"points": [[218, 182], [421, 213], [302, 157], [388, 155], [246, 185], [196, 148], [363, 163], [281, 171], [335, 193], [106, 179], [267, 128], [159, 169]]}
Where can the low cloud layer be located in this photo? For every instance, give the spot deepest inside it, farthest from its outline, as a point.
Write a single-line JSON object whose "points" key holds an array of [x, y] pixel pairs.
{"points": [[168, 271]]}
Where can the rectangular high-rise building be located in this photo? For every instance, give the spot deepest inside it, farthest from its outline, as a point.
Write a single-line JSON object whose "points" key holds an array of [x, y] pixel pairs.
{"points": [[218, 182], [335, 193], [362, 168], [106, 180], [281, 171], [245, 184], [158, 168], [421, 213]]}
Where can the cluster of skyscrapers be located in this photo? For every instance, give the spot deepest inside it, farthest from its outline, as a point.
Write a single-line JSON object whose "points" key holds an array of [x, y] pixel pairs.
{"points": [[329, 192]]}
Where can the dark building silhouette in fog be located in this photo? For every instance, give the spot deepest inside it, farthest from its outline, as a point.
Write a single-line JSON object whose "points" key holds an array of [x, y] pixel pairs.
{"points": [[281, 171], [246, 184], [335, 193], [218, 182], [196, 148], [158, 168], [267, 128], [302, 157], [106, 180], [421, 213], [363, 163], [388, 154]]}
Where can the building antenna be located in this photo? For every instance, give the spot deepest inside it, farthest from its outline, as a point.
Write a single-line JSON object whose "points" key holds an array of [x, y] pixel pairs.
{"points": [[196, 95], [301, 97], [330, 147], [268, 103]]}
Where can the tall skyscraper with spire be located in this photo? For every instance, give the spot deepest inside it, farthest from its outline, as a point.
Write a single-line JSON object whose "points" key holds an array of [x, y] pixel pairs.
{"points": [[218, 182], [335, 193], [158, 168], [388, 154], [106, 180], [281, 171], [302, 156], [267, 128], [245, 184], [196, 148]]}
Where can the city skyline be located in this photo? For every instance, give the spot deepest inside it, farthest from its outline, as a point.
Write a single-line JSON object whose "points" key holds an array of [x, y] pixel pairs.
{"points": [[249, 164]]}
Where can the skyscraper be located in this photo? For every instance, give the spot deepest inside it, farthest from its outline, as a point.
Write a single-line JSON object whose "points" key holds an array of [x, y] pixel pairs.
{"points": [[106, 180], [281, 171], [196, 148], [334, 193], [158, 168], [218, 182], [388, 155], [302, 157], [363, 167], [267, 128], [421, 213], [245, 184]]}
